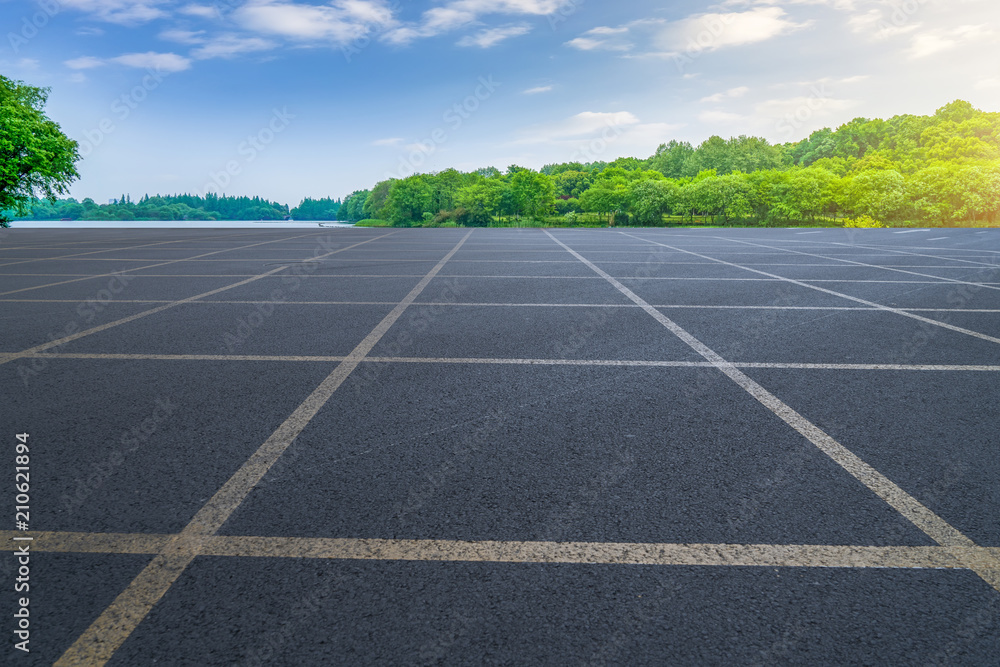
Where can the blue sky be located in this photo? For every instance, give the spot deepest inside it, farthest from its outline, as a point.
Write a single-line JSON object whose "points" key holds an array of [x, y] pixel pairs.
{"points": [[288, 99]]}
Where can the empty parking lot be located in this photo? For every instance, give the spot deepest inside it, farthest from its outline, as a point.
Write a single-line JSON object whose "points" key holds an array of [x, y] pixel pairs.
{"points": [[452, 446]]}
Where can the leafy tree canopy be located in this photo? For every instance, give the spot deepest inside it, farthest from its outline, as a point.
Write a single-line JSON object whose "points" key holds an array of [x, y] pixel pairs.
{"points": [[36, 158]]}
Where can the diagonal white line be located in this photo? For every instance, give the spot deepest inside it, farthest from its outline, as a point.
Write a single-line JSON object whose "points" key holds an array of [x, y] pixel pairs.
{"points": [[937, 279], [151, 266], [97, 252], [152, 311], [926, 520], [878, 306], [99, 642]]}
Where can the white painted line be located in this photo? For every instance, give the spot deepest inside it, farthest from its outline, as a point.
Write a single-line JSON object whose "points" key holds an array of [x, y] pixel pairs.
{"points": [[86, 332], [495, 551], [99, 641], [878, 306], [911, 231], [96, 252], [937, 279], [808, 233], [926, 520], [937, 238], [151, 266]]}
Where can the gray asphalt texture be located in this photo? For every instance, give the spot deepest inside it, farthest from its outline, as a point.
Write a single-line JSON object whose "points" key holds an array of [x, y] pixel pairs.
{"points": [[556, 452]]}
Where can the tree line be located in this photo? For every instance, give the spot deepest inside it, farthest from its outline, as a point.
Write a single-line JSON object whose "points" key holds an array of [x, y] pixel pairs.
{"points": [[937, 169], [180, 207]]}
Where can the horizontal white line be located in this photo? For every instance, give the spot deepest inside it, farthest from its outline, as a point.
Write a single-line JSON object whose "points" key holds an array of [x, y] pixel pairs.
{"points": [[639, 363], [495, 551], [446, 304], [346, 276]]}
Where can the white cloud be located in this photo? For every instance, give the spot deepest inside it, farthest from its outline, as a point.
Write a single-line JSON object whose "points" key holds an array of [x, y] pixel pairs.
{"points": [[201, 11], [484, 39], [709, 32], [817, 106], [184, 36], [694, 34], [732, 93], [460, 13], [590, 136], [582, 125], [836, 4], [821, 83], [588, 44], [391, 141], [987, 84], [20, 65], [127, 12], [86, 62], [228, 45], [711, 117], [878, 27], [937, 41], [340, 22], [162, 62], [605, 38], [537, 89]]}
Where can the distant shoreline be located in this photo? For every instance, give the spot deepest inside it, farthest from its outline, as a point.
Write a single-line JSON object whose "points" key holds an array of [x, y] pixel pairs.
{"points": [[177, 224]]}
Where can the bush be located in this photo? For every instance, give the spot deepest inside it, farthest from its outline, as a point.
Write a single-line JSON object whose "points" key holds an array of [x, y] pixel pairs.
{"points": [[462, 217], [373, 223], [864, 221]]}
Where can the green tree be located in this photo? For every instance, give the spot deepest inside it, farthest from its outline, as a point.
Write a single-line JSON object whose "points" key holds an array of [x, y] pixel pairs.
{"points": [[671, 159], [36, 158], [875, 193], [407, 201], [651, 198], [486, 196], [532, 194]]}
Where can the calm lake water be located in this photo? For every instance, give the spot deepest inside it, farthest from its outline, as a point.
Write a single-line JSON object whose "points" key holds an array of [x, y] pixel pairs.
{"points": [[171, 224]]}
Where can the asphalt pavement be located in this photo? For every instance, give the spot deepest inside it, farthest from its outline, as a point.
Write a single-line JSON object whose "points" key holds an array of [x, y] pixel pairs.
{"points": [[501, 446]]}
